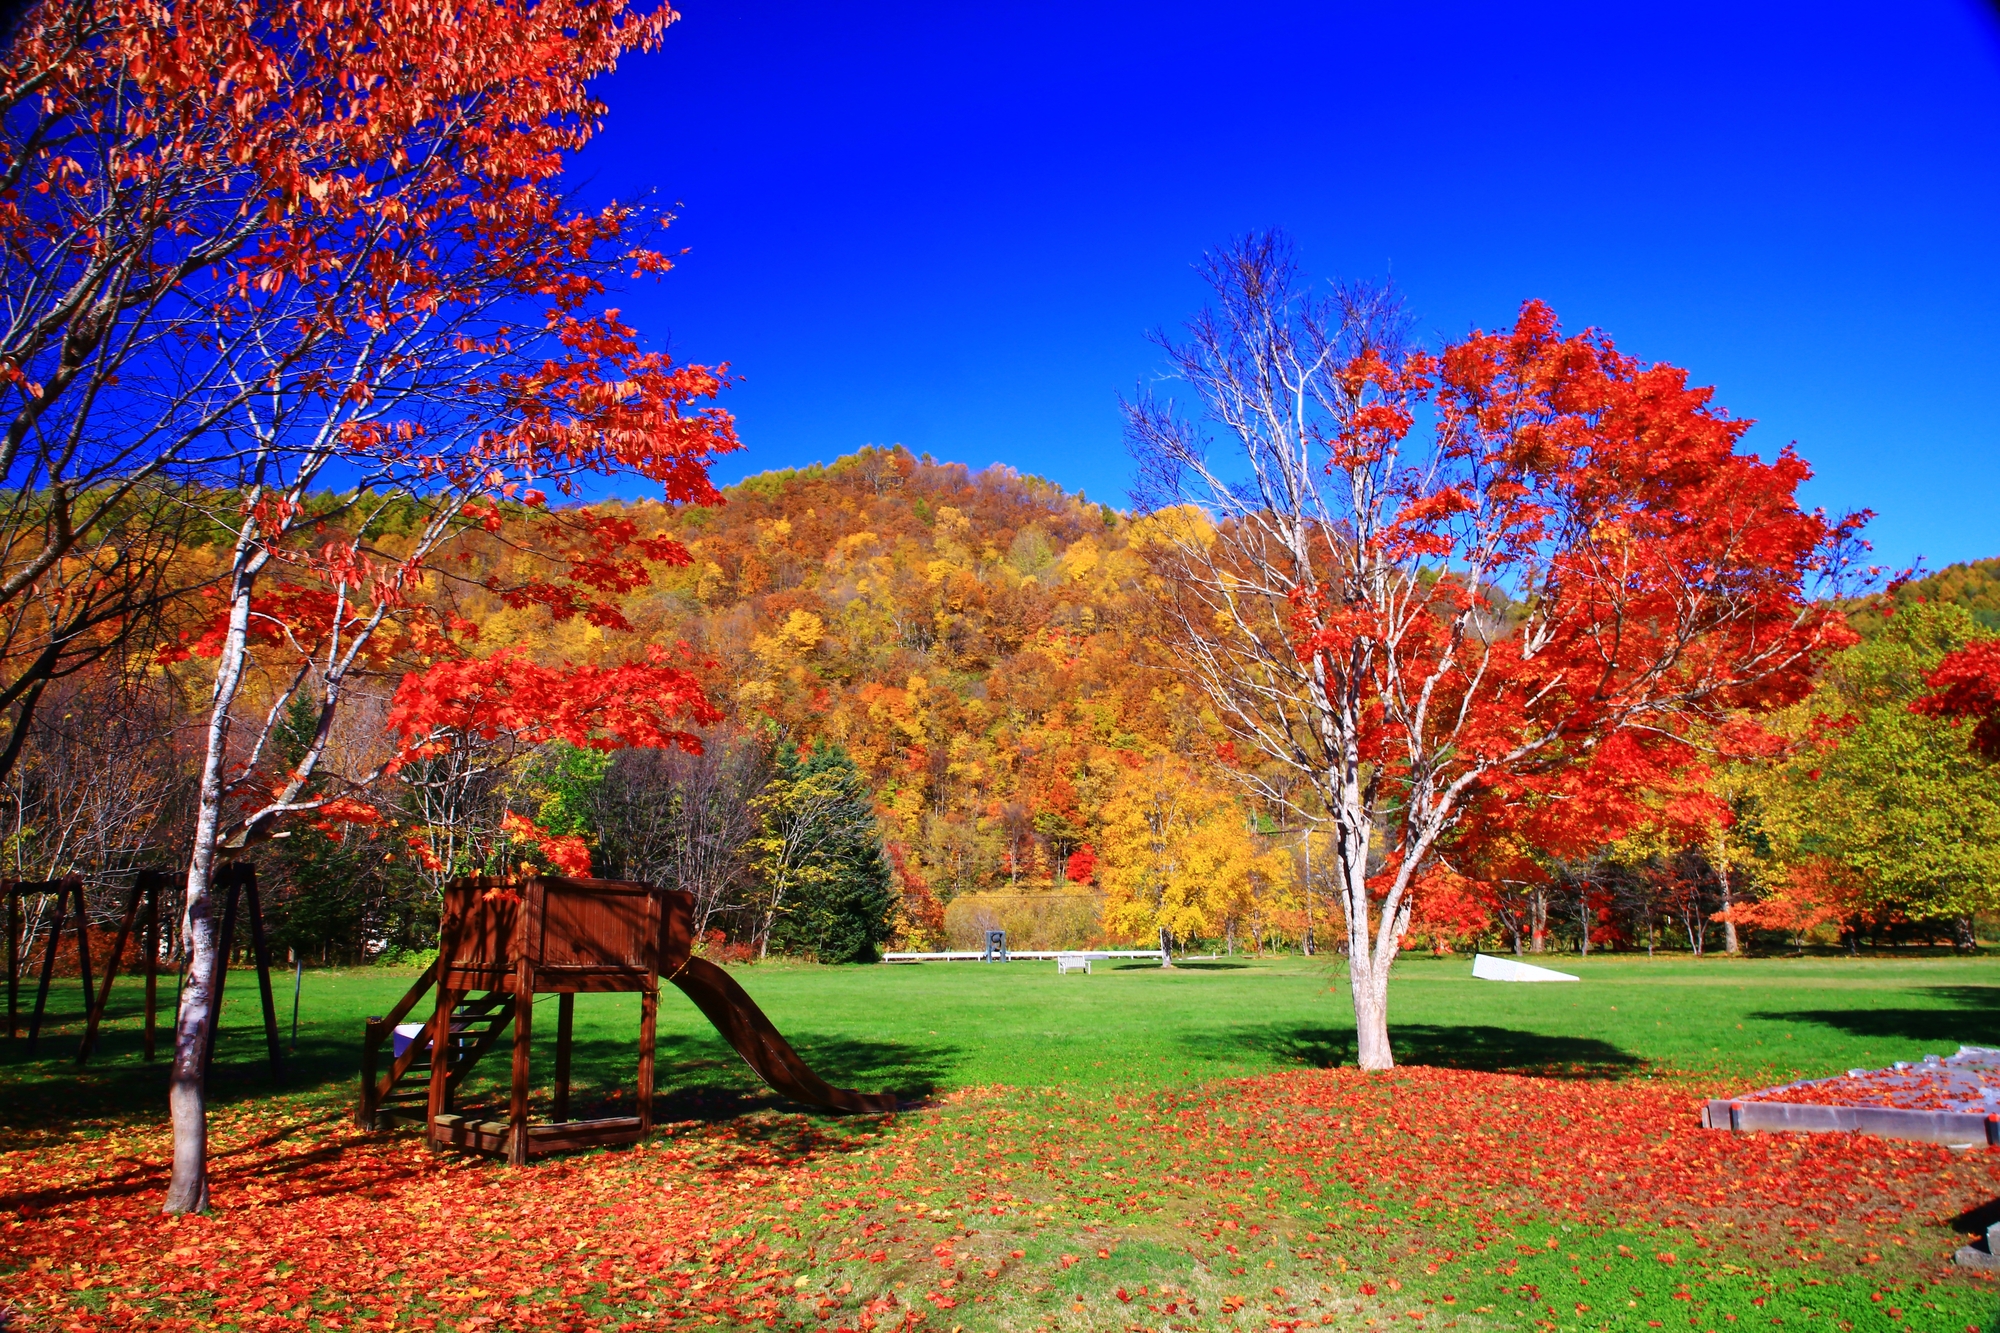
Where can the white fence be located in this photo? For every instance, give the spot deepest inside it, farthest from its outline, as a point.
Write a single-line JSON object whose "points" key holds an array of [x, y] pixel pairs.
{"points": [[1024, 955]]}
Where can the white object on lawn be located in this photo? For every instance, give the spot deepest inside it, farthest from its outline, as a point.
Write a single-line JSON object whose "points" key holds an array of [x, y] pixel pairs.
{"points": [[1072, 962], [1488, 968], [406, 1034]]}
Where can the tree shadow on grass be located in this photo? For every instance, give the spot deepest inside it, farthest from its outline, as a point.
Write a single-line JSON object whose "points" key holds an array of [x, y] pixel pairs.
{"points": [[52, 1093], [1477, 1046], [1968, 1014], [309, 1151], [697, 1076]]}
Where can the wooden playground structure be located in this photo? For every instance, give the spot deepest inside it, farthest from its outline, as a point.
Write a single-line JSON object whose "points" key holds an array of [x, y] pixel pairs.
{"points": [[503, 942]]}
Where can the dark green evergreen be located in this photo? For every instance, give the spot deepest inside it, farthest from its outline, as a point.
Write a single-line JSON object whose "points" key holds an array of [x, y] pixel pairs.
{"points": [[839, 911]]}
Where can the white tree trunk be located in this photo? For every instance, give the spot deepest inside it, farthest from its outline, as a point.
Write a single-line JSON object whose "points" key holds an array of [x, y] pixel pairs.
{"points": [[1368, 959], [187, 1094], [1371, 1013], [1729, 941], [1307, 942]]}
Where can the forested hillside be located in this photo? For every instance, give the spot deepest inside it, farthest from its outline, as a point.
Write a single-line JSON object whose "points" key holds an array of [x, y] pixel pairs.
{"points": [[942, 702], [975, 642], [1974, 586], [951, 667]]}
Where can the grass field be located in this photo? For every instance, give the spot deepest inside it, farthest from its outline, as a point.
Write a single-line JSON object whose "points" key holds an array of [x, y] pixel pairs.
{"points": [[1091, 1125], [943, 1026]]}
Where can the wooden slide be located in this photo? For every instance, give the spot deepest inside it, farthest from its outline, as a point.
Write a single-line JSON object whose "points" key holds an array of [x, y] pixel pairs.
{"points": [[737, 1017]]}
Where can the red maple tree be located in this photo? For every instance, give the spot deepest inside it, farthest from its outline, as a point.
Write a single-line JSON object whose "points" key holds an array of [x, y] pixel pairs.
{"points": [[313, 261], [1518, 572], [1965, 687]]}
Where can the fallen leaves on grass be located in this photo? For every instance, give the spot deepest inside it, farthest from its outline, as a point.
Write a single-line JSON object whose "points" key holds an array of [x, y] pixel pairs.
{"points": [[321, 1226], [794, 1223]]}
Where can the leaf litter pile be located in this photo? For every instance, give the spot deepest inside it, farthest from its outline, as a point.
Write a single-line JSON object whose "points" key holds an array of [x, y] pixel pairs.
{"points": [[1425, 1198], [1966, 1082]]}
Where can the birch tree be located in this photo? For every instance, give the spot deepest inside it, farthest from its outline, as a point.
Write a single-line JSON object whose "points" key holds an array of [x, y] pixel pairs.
{"points": [[416, 339]]}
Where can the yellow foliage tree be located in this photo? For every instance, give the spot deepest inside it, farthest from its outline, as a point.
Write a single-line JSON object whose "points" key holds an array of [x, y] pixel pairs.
{"points": [[1179, 851]]}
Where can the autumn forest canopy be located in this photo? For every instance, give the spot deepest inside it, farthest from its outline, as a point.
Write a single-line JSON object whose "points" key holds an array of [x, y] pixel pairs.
{"points": [[971, 664]]}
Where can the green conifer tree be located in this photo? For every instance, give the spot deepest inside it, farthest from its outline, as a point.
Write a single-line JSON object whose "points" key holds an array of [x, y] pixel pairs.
{"points": [[820, 859]]}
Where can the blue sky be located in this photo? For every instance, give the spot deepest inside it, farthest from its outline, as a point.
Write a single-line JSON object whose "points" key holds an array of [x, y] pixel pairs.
{"points": [[951, 226]]}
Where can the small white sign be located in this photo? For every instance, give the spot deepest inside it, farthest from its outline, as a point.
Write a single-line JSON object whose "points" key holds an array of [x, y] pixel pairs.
{"points": [[1488, 968]]}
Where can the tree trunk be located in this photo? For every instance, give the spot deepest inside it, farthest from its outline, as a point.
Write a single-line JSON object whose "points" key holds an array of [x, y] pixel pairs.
{"points": [[187, 1094], [1371, 1010], [1538, 921], [1307, 941], [1367, 966], [1729, 944], [770, 920], [187, 1190]]}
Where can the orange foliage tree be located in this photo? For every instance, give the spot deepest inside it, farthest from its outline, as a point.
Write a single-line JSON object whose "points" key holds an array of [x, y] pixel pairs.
{"points": [[314, 259], [1427, 581], [1813, 893]]}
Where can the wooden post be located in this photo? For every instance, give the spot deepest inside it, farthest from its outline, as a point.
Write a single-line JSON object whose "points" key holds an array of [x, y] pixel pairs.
{"points": [[527, 926], [155, 882], [125, 924], [364, 1108], [439, 1099], [440, 1039], [517, 1105], [231, 885], [263, 954], [565, 1025], [74, 884], [649, 1013]]}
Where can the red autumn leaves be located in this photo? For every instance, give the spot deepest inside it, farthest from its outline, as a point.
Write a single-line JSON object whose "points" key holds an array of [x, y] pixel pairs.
{"points": [[367, 1232], [363, 1232], [1967, 688], [508, 696], [1656, 572]]}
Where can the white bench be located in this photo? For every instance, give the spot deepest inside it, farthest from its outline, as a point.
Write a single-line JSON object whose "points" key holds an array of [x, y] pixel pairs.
{"points": [[1072, 962]]}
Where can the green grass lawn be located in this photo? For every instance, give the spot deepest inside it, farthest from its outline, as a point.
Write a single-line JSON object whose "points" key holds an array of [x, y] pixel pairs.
{"points": [[1027, 1070], [936, 1027]]}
